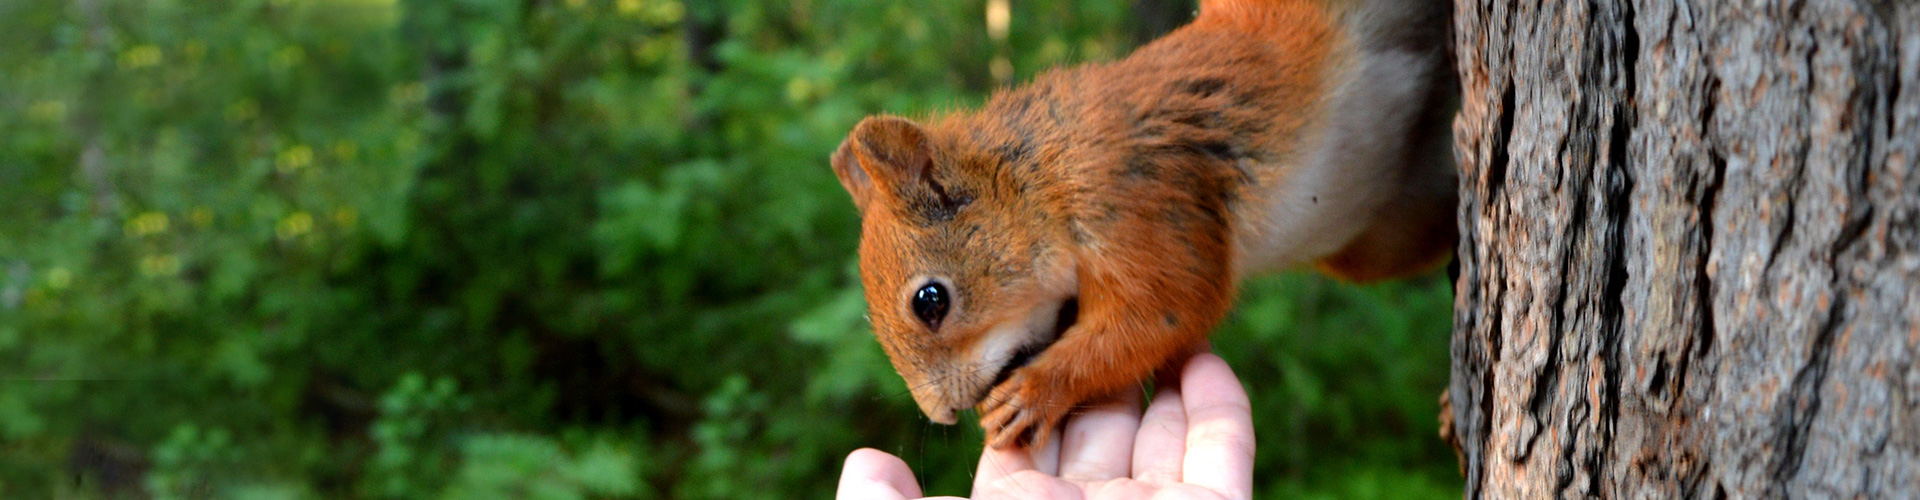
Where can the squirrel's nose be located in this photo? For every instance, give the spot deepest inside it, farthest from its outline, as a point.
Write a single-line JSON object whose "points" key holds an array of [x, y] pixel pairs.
{"points": [[943, 417], [934, 406]]}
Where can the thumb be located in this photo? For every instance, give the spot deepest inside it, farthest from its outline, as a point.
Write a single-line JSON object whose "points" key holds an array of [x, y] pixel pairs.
{"points": [[871, 474]]}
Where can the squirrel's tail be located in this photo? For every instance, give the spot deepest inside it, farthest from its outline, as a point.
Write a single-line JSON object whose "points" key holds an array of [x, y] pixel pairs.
{"points": [[1378, 24], [1263, 15]]}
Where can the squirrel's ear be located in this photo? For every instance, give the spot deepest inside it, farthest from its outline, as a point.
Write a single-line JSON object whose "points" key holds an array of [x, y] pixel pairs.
{"points": [[852, 176], [883, 155]]}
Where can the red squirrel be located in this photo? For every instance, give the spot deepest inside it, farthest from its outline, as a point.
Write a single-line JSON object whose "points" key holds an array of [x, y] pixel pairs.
{"points": [[1076, 234]]}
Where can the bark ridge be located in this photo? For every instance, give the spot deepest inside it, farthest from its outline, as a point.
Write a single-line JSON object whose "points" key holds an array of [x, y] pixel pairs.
{"points": [[1690, 256]]}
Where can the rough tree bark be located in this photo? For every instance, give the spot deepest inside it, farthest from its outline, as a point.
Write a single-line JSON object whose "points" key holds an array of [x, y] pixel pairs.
{"points": [[1691, 248]]}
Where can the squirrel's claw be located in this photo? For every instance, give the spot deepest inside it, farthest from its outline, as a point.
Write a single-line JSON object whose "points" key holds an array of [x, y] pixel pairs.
{"points": [[1010, 418]]}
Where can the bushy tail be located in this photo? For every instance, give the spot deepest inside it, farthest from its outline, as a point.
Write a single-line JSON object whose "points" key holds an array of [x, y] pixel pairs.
{"points": [[1372, 24], [1263, 15]]}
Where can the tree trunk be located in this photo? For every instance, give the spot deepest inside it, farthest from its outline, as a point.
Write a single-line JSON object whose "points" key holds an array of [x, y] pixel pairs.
{"points": [[1690, 256]]}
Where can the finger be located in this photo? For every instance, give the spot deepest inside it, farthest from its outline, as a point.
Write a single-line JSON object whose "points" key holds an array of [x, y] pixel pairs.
{"points": [[1046, 458], [874, 474], [996, 464], [1161, 444], [1219, 428], [1097, 444]]}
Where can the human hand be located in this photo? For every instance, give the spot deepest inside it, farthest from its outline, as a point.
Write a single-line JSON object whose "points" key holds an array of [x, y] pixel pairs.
{"points": [[1194, 441]]}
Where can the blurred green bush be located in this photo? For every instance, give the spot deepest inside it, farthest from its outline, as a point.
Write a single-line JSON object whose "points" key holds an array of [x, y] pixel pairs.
{"points": [[539, 249]]}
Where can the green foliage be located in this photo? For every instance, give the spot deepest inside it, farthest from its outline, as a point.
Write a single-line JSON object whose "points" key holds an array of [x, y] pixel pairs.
{"points": [[537, 249], [532, 467], [1345, 384]]}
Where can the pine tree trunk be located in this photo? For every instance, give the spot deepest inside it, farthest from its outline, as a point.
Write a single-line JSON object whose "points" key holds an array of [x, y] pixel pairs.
{"points": [[1691, 249]]}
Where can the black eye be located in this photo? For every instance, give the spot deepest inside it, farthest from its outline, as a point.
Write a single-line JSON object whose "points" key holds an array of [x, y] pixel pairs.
{"points": [[930, 303]]}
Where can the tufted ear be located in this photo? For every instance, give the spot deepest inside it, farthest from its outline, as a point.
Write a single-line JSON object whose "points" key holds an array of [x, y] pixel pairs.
{"points": [[885, 156]]}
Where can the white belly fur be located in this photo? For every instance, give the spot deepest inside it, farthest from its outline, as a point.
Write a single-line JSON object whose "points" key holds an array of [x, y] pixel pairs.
{"points": [[1346, 171]]}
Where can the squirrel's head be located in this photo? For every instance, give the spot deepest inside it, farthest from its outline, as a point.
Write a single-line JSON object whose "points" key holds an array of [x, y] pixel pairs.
{"points": [[967, 276]]}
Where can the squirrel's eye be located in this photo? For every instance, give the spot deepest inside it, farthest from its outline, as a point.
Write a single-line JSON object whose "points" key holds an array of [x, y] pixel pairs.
{"points": [[930, 303]]}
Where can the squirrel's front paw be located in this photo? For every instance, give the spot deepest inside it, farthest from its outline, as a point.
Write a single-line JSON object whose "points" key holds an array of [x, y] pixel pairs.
{"points": [[1018, 413]]}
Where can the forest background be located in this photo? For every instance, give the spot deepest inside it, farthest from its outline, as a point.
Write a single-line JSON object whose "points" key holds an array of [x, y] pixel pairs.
{"points": [[545, 249]]}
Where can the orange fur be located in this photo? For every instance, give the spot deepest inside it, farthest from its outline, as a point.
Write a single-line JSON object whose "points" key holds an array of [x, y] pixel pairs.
{"points": [[1122, 187]]}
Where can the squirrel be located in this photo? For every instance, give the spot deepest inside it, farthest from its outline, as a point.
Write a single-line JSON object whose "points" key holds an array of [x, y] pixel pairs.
{"points": [[1076, 234]]}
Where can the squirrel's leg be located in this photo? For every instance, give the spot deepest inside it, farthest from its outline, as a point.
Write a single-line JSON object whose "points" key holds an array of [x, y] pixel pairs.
{"points": [[1151, 288]]}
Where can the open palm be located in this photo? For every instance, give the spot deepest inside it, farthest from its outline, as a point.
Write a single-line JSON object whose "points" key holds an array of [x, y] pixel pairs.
{"points": [[1195, 440]]}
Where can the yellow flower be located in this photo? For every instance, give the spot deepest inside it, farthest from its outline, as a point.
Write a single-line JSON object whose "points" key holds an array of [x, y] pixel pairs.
{"points": [[294, 226], [147, 223], [140, 57], [295, 158]]}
